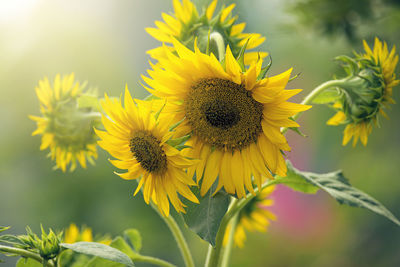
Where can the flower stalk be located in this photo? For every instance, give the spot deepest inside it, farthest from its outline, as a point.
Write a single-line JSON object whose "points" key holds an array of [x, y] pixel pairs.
{"points": [[26, 254], [313, 94], [179, 238], [214, 253]]}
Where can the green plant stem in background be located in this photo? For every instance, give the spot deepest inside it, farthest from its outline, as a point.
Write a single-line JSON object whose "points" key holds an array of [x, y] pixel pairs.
{"points": [[313, 94], [228, 249], [25, 253], [154, 261], [179, 238]]}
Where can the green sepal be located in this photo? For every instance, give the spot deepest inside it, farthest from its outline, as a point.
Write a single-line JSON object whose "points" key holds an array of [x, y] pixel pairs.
{"points": [[4, 228], [160, 110], [351, 67], [294, 77], [240, 58], [176, 125], [178, 141], [264, 70]]}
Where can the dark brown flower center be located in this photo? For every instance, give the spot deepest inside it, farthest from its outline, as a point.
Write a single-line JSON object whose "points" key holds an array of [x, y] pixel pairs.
{"points": [[148, 152], [223, 113]]}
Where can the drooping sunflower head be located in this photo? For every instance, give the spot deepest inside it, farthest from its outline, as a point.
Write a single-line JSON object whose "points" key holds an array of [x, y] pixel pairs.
{"points": [[66, 125], [255, 216], [73, 234], [234, 116], [186, 25], [138, 141], [366, 91]]}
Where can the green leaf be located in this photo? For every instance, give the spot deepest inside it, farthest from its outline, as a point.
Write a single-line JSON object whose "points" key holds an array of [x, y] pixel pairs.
{"points": [[28, 262], [330, 95], [296, 181], [100, 250], [335, 184], [89, 101], [11, 239], [133, 238], [204, 218], [4, 228], [120, 244]]}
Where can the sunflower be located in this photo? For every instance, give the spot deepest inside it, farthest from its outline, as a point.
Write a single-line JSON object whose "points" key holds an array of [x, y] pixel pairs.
{"points": [[186, 25], [73, 234], [138, 142], [361, 104], [253, 217], [234, 117], [66, 128]]}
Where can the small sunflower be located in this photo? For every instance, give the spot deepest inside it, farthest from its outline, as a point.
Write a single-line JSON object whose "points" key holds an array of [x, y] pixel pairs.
{"points": [[186, 25], [66, 128], [234, 117], [138, 142], [73, 234], [366, 92], [253, 217]]}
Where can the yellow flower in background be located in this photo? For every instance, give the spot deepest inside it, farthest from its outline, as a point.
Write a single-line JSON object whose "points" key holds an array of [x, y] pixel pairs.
{"points": [[138, 142], [186, 25], [66, 128], [253, 217], [234, 117], [366, 92], [73, 234]]}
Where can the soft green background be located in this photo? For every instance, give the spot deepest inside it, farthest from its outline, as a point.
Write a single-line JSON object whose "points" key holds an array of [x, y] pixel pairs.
{"points": [[104, 42]]}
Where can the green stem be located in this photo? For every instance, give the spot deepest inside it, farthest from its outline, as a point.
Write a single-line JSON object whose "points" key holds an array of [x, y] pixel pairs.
{"points": [[154, 261], [214, 253], [179, 238], [314, 93], [213, 258], [228, 249], [219, 41], [25, 253]]}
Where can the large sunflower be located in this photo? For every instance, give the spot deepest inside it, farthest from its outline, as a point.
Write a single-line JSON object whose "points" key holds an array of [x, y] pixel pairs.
{"points": [[234, 116], [254, 217], [359, 108], [138, 142], [186, 25], [66, 128]]}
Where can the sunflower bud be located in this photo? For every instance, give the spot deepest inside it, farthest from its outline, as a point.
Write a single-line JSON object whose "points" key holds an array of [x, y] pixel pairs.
{"points": [[188, 25], [365, 91], [48, 246], [69, 115]]}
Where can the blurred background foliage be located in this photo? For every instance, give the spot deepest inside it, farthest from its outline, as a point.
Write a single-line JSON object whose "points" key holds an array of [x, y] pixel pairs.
{"points": [[104, 42]]}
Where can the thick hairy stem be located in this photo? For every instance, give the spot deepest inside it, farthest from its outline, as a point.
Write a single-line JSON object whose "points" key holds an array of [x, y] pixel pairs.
{"points": [[179, 238], [313, 94], [26, 254], [214, 253]]}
